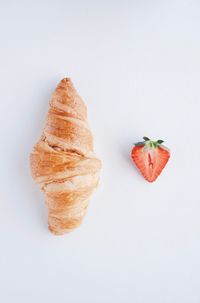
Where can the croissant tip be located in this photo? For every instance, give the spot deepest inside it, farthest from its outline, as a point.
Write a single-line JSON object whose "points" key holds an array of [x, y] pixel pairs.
{"points": [[55, 232], [67, 79], [59, 232]]}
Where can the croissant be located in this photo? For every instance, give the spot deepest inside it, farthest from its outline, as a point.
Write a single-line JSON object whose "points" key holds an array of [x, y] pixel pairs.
{"points": [[63, 162]]}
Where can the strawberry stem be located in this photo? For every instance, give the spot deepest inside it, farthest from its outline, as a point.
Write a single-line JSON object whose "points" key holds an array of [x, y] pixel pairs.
{"points": [[149, 143]]}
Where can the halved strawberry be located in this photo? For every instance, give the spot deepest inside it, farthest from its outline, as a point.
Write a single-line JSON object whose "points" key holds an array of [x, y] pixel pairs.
{"points": [[150, 157]]}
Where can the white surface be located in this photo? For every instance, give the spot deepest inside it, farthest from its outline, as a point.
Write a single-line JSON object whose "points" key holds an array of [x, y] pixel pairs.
{"points": [[137, 66]]}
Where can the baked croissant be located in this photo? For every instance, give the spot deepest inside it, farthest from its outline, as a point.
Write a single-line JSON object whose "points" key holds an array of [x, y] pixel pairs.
{"points": [[63, 162]]}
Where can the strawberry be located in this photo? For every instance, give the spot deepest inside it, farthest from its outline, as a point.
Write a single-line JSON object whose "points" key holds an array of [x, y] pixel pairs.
{"points": [[150, 158]]}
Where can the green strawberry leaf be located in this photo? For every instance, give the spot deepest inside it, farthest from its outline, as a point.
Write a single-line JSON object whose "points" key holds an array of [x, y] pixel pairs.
{"points": [[160, 141], [139, 143], [146, 138]]}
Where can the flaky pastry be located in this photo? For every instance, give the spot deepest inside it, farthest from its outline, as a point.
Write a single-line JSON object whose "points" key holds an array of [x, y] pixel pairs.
{"points": [[63, 162]]}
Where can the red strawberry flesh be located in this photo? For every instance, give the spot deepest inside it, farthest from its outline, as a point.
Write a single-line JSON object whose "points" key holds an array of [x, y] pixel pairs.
{"points": [[150, 158]]}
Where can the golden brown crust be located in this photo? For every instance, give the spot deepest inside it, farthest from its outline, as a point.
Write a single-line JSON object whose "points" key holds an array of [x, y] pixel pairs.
{"points": [[63, 162]]}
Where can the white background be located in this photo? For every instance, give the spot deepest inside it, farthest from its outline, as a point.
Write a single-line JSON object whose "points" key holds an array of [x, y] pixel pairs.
{"points": [[137, 66]]}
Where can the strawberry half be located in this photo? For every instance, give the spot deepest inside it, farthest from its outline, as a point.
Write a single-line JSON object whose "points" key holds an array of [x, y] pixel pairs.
{"points": [[150, 158]]}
